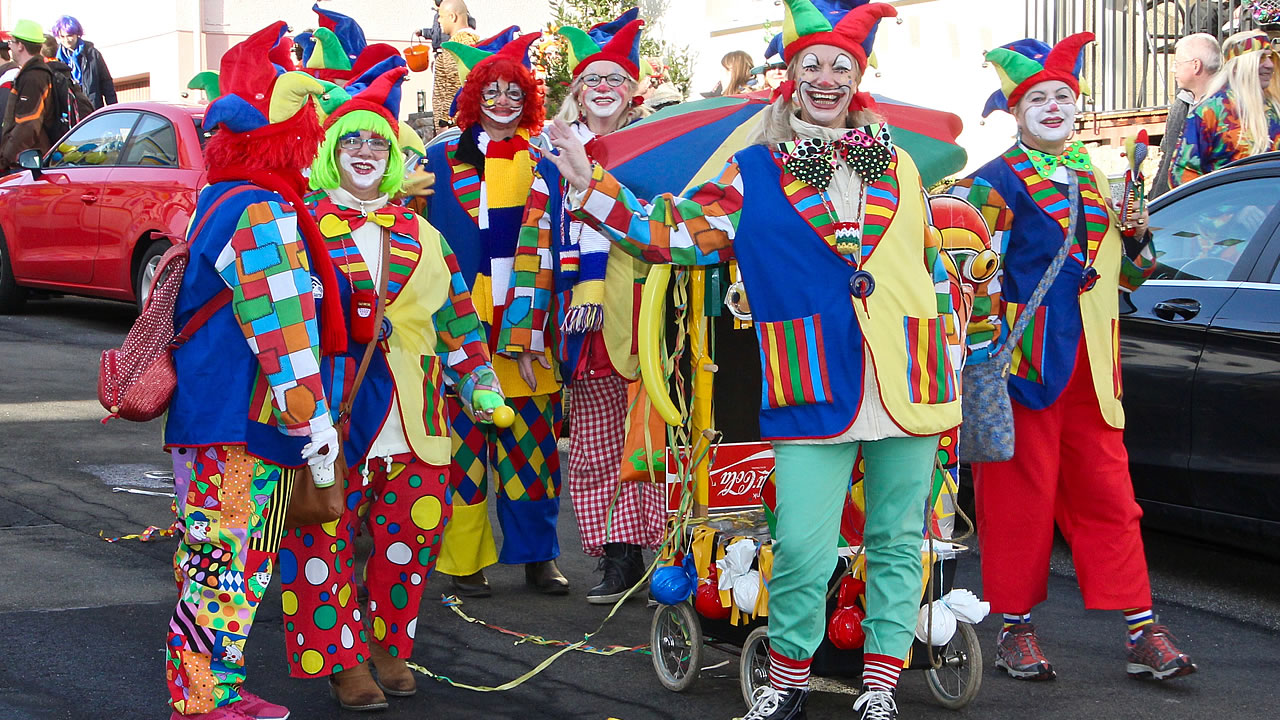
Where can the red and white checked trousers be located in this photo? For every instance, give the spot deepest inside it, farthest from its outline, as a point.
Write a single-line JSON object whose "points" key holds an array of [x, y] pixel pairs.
{"points": [[608, 510]]}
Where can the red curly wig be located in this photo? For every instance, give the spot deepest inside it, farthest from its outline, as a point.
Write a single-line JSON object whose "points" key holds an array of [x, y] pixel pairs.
{"points": [[287, 145], [501, 68]]}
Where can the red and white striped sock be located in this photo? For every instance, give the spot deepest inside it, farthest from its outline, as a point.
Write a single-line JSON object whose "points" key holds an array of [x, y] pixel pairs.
{"points": [[788, 674], [880, 672]]}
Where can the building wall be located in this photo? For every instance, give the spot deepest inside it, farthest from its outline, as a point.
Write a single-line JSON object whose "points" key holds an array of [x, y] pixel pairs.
{"points": [[172, 40]]}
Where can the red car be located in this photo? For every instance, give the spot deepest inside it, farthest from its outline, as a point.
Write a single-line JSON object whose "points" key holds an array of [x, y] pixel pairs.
{"points": [[94, 214]]}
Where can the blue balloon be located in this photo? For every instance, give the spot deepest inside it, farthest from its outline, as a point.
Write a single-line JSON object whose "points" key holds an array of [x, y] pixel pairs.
{"points": [[671, 585]]}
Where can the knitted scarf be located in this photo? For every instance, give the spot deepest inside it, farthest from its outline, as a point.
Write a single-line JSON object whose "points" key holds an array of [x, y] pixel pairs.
{"points": [[72, 58], [290, 185]]}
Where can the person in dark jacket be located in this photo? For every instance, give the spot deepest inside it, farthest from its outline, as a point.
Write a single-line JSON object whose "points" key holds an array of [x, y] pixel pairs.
{"points": [[28, 106], [87, 66], [8, 72]]}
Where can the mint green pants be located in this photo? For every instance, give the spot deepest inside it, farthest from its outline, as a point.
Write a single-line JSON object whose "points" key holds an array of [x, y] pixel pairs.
{"points": [[812, 484]]}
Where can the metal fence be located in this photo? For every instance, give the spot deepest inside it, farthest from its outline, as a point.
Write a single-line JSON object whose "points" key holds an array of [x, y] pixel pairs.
{"points": [[1130, 67]]}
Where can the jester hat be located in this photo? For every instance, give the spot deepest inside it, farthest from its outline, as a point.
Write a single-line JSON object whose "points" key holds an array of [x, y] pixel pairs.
{"points": [[254, 92], [617, 40], [377, 91], [814, 22], [504, 44], [1022, 64]]}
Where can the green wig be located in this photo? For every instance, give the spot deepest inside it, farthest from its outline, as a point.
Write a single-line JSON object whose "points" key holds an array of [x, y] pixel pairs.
{"points": [[325, 173]]}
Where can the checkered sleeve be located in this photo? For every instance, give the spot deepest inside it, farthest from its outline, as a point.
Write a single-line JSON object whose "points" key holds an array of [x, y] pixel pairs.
{"points": [[694, 229], [985, 327], [265, 265], [524, 322], [1135, 270], [460, 337]]}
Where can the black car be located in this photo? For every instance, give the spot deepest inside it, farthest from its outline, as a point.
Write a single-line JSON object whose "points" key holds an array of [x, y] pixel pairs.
{"points": [[1200, 352]]}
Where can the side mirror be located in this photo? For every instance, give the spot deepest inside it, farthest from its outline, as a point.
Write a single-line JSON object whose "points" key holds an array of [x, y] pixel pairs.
{"points": [[30, 160]]}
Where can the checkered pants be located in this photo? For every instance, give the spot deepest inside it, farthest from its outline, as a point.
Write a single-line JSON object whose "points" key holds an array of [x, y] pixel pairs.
{"points": [[608, 510]]}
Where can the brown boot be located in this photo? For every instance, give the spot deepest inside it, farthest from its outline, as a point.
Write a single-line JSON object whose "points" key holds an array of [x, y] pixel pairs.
{"points": [[355, 689], [394, 676]]}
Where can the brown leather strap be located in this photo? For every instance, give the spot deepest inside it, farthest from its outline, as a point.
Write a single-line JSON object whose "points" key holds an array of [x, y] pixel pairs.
{"points": [[384, 274]]}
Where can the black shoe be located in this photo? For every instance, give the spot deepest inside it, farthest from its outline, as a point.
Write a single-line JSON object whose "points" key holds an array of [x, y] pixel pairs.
{"points": [[773, 704], [876, 704], [546, 577], [474, 585], [623, 566]]}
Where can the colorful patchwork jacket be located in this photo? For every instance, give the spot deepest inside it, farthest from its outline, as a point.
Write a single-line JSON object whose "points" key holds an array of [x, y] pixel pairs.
{"points": [[813, 332], [478, 206], [1029, 217], [251, 375], [430, 332], [1214, 136]]}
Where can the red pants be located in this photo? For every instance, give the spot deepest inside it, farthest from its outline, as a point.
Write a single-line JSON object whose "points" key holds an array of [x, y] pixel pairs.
{"points": [[1071, 467], [405, 507]]}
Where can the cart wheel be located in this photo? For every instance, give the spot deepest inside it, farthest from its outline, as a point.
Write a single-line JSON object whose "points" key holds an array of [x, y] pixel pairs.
{"points": [[955, 684], [753, 670], [676, 641]]}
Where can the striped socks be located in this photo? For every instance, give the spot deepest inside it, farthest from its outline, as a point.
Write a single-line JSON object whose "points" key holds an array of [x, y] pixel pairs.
{"points": [[787, 674], [1137, 619], [1011, 620], [880, 672]]}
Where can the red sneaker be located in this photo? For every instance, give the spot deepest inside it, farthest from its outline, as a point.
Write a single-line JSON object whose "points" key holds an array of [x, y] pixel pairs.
{"points": [[1018, 653], [226, 712], [1154, 655]]}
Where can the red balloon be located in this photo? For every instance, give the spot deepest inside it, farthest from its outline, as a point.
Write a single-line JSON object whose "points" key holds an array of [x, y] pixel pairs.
{"points": [[845, 628], [850, 588], [707, 602]]}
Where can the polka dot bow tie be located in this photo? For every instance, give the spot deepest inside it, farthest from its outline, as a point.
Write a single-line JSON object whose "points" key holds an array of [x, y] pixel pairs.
{"points": [[1074, 157], [813, 160]]}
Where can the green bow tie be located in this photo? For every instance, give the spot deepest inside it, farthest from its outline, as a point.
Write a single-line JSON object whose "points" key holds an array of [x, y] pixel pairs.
{"points": [[1074, 157]]}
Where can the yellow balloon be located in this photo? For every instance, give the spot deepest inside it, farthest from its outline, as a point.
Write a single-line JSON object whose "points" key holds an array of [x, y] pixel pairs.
{"points": [[652, 317]]}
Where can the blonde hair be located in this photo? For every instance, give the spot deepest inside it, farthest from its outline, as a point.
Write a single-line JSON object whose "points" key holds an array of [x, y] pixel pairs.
{"points": [[775, 122], [571, 110], [1240, 76]]}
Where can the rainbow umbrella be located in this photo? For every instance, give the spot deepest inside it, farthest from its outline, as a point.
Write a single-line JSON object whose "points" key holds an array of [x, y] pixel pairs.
{"points": [[689, 143]]}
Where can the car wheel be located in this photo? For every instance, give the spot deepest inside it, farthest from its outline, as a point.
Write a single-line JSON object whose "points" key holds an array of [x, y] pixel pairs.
{"points": [[146, 272], [11, 296]]}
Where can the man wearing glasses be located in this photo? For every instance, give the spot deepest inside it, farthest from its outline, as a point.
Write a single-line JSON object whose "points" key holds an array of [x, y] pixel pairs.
{"points": [[1196, 59]]}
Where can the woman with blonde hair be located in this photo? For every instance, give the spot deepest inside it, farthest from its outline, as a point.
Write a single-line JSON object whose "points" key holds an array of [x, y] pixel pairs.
{"points": [[1240, 115]]}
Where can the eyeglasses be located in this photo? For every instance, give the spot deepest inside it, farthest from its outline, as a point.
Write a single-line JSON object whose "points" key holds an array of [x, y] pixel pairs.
{"points": [[1062, 98], [355, 142], [594, 79], [514, 94]]}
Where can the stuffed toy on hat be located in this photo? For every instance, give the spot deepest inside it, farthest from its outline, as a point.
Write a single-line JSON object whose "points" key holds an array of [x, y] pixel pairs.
{"points": [[617, 40], [505, 57], [1025, 63]]}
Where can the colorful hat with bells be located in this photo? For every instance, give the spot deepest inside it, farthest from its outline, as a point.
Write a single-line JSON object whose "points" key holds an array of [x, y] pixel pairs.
{"points": [[850, 26], [337, 50], [1025, 63], [254, 91], [377, 91], [504, 44], [617, 40]]}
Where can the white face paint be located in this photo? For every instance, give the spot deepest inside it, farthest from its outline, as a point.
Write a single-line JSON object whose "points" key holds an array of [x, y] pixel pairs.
{"points": [[361, 173], [603, 100], [497, 103], [825, 85], [1048, 111]]}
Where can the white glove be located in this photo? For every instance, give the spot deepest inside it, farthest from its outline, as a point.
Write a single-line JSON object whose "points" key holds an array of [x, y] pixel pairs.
{"points": [[321, 453]]}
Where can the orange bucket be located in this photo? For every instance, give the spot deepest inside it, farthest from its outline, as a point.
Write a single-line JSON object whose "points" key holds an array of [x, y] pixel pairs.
{"points": [[418, 56]]}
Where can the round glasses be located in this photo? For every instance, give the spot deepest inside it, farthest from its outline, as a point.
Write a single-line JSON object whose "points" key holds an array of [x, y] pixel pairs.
{"points": [[514, 94], [355, 142], [594, 79]]}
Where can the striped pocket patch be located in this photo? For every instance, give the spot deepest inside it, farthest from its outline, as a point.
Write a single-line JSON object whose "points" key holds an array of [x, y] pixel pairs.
{"points": [[795, 365], [1028, 355], [1117, 382], [931, 380], [433, 406]]}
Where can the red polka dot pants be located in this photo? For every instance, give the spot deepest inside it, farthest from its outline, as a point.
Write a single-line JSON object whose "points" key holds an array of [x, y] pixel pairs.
{"points": [[404, 505]]}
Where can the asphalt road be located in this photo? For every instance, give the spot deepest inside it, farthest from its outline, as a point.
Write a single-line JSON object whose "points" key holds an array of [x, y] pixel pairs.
{"points": [[82, 622]]}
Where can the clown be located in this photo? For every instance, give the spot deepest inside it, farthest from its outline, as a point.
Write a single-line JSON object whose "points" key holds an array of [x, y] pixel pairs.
{"points": [[399, 447], [258, 289], [1044, 198], [852, 306], [594, 317], [483, 180]]}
